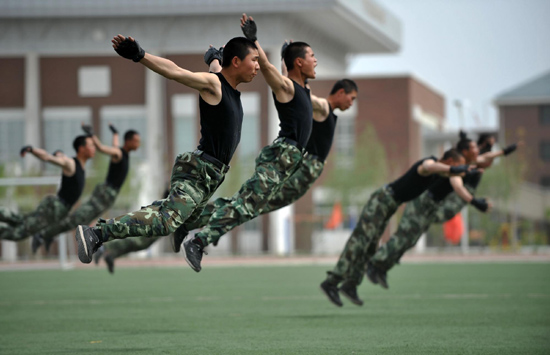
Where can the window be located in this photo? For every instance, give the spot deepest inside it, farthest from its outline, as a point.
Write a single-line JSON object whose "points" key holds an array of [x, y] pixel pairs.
{"points": [[94, 81], [249, 147], [545, 115], [62, 125], [545, 150], [344, 140], [12, 134], [186, 121], [124, 118]]}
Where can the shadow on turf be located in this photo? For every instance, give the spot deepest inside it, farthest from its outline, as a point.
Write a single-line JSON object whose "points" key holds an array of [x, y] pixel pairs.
{"points": [[321, 316]]}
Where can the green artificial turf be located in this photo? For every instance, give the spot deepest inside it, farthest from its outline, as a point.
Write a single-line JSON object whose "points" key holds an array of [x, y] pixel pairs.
{"points": [[491, 308]]}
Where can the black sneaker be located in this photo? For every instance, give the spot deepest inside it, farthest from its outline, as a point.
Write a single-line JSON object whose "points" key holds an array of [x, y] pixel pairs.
{"points": [[371, 273], [88, 242], [382, 278], [349, 290], [177, 238], [331, 291], [110, 261], [193, 254], [36, 243]]}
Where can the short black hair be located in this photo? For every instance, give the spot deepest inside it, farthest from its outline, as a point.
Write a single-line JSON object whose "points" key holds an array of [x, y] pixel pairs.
{"points": [[463, 144], [483, 137], [236, 47], [346, 84], [79, 141], [293, 51], [452, 154], [130, 134]]}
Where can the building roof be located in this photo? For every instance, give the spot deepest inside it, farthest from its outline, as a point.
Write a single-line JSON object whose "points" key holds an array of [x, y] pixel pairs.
{"points": [[533, 92], [362, 26]]}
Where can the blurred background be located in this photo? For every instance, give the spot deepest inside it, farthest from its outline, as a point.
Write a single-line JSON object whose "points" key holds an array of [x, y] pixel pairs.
{"points": [[425, 69]]}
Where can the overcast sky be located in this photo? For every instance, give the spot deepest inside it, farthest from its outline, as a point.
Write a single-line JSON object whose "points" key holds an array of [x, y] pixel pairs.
{"points": [[467, 49]]}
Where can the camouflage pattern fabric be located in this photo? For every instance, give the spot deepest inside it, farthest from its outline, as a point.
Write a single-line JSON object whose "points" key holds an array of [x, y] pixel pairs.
{"points": [[120, 247], [419, 214], [49, 211], [363, 242], [295, 187], [101, 199], [274, 166], [193, 182], [451, 205]]}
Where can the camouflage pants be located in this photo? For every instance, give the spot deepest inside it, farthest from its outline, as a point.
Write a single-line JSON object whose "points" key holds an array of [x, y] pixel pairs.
{"points": [[120, 247], [50, 210], [451, 205], [274, 166], [419, 214], [102, 198], [295, 187], [194, 180], [363, 242]]}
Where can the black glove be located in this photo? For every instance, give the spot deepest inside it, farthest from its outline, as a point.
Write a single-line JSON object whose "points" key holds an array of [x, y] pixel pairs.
{"points": [[509, 149], [480, 203], [459, 169], [113, 129], [213, 53], [25, 149], [249, 29], [88, 130], [130, 50], [283, 49]]}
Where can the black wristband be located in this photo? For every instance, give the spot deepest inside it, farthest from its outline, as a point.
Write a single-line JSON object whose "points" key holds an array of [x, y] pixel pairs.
{"points": [[130, 50], [88, 130], [249, 29], [211, 54], [25, 149], [459, 169], [480, 203], [113, 129], [509, 149]]}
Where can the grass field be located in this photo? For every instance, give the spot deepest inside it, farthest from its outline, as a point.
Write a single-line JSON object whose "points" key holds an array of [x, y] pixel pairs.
{"points": [[430, 309]]}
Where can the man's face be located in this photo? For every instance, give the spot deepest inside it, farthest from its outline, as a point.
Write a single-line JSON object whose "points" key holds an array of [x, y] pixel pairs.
{"points": [[309, 62], [134, 143], [89, 148], [249, 66], [345, 101], [471, 153]]}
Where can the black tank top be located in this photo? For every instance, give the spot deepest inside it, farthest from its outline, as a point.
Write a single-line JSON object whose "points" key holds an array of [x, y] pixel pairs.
{"points": [[411, 184], [322, 135], [472, 180], [296, 116], [118, 171], [221, 124], [72, 186], [440, 188]]}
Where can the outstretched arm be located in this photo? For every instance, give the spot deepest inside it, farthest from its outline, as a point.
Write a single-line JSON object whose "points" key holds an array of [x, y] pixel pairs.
{"points": [[486, 159], [207, 84], [458, 186], [66, 163], [430, 166], [281, 86], [113, 151]]}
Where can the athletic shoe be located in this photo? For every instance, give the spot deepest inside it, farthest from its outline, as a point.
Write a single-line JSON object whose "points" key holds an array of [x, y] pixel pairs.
{"points": [[193, 254], [382, 278], [372, 273], [110, 261], [88, 242], [349, 290], [37, 242], [331, 291], [177, 238]]}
